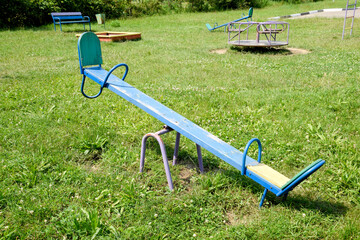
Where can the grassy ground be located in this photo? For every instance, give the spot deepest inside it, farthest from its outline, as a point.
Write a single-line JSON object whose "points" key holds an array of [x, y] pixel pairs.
{"points": [[69, 165]]}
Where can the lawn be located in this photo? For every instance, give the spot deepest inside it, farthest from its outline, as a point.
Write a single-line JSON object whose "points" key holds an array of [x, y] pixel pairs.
{"points": [[70, 165]]}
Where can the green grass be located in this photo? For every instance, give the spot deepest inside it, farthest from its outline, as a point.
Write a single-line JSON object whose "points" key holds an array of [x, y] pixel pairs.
{"points": [[69, 165]]}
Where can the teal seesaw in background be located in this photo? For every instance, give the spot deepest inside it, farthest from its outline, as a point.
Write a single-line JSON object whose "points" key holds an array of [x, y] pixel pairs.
{"points": [[216, 26], [90, 59]]}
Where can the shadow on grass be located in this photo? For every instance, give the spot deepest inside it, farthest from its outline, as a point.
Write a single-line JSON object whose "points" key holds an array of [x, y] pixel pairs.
{"points": [[298, 202], [293, 201], [261, 50], [211, 164]]}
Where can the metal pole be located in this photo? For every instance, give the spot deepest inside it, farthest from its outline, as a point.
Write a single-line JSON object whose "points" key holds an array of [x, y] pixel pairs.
{"points": [[176, 150], [201, 166], [347, 4], [163, 153]]}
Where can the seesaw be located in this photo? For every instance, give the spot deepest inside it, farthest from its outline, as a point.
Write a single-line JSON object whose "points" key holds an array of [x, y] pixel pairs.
{"points": [[90, 59], [216, 26]]}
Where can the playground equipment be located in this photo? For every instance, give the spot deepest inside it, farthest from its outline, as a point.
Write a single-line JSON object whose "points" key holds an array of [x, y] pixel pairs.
{"points": [[243, 17], [108, 36], [270, 29], [351, 7], [90, 60]]}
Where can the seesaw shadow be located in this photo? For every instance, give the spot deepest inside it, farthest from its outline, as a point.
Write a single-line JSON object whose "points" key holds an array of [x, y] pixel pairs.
{"points": [[298, 202], [293, 201]]}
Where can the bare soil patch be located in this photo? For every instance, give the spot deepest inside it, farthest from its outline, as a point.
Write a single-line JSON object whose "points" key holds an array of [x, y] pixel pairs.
{"points": [[298, 51], [219, 51], [185, 174]]}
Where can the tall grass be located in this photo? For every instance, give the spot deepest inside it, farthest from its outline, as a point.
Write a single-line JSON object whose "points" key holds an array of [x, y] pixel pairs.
{"points": [[69, 165]]}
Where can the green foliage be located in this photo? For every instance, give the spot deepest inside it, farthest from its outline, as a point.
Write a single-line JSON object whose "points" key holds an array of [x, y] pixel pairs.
{"points": [[19, 13], [79, 222], [92, 150], [296, 1], [37, 12], [216, 5]]}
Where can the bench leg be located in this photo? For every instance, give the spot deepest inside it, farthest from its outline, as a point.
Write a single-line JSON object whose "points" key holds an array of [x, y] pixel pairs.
{"points": [[163, 153]]}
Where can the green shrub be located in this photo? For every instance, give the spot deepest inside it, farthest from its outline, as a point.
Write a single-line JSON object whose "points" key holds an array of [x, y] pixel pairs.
{"points": [[297, 1], [22, 13], [218, 5]]}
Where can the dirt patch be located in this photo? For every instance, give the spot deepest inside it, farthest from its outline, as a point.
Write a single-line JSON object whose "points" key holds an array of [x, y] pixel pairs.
{"points": [[232, 219], [92, 168], [185, 174], [219, 51], [298, 51], [243, 219]]}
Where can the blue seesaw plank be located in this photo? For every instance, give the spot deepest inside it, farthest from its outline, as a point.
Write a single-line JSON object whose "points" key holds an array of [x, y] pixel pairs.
{"points": [[171, 118]]}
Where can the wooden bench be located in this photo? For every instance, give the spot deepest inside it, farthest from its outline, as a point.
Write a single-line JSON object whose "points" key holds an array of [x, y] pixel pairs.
{"points": [[69, 17], [89, 50]]}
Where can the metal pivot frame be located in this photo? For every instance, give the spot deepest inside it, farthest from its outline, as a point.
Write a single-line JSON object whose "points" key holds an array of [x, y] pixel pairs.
{"points": [[351, 7], [157, 135]]}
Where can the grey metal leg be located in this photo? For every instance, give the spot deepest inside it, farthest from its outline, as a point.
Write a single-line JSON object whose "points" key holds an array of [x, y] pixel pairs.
{"points": [[201, 166], [176, 150], [163, 153]]}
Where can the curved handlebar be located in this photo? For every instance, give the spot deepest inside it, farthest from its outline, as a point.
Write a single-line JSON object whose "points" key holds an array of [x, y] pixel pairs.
{"points": [[246, 150], [105, 80], [113, 69]]}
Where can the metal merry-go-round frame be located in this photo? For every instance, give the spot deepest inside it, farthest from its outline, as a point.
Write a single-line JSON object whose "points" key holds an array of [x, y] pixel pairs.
{"points": [[270, 29]]}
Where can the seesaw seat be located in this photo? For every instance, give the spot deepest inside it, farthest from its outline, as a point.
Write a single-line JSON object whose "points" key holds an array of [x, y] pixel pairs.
{"points": [[269, 174], [264, 175], [277, 178]]}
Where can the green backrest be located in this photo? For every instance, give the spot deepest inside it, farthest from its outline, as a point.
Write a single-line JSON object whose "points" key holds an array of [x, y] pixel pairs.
{"points": [[300, 173], [250, 12], [89, 49]]}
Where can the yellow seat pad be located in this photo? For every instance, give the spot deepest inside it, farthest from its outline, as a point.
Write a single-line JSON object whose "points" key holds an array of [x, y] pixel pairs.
{"points": [[269, 174]]}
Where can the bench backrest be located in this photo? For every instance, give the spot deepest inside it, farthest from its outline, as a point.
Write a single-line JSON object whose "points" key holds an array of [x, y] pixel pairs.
{"points": [[89, 50], [67, 15]]}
